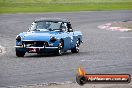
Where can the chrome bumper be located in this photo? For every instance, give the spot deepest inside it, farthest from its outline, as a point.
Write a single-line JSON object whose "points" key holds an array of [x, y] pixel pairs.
{"points": [[36, 47]]}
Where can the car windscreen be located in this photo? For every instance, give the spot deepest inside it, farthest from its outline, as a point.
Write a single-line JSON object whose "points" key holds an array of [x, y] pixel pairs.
{"points": [[45, 26]]}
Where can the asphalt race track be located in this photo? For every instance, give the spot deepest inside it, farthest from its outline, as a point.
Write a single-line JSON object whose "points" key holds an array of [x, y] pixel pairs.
{"points": [[103, 51]]}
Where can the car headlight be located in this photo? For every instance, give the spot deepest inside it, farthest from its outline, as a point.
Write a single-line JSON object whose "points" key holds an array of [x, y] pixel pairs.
{"points": [[53, 39], [18, 38]]}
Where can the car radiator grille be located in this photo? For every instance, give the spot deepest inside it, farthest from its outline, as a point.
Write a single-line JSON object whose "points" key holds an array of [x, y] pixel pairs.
{"points": [[35, 43]]}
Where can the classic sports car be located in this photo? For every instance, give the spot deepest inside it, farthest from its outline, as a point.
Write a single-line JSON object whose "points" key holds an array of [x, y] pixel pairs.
{"points": [[48, 35]]}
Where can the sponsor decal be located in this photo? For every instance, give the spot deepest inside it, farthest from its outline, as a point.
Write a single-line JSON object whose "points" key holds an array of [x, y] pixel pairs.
{"points": [[82, 78]]}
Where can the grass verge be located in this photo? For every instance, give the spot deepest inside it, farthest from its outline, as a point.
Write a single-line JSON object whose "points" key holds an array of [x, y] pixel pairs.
{"points": [[6, 7]]}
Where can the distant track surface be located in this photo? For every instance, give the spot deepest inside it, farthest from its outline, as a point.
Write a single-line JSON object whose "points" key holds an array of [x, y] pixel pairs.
{"points": [[102, 51]]}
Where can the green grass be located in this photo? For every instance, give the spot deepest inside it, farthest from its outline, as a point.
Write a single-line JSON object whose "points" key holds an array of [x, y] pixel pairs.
{"points": [[26, 6]]}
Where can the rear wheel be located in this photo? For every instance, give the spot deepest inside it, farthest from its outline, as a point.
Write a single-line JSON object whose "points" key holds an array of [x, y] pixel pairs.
{"points": [[20, 53], [76, 48]]}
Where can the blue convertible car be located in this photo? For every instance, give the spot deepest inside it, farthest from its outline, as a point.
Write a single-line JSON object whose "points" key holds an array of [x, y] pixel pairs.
{"points": [[48, 35]]}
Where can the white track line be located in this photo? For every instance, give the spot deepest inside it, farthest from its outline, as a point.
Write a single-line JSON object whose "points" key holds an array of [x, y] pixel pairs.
{"points": [[126, 37]]}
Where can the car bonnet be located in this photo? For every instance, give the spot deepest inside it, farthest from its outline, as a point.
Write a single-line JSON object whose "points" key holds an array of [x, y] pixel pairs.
{"points": [[38, 36]]}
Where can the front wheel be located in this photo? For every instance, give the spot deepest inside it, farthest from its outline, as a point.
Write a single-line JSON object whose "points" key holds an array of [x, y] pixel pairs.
{"points": [[76, 48], [20, 54], [60, 46]]}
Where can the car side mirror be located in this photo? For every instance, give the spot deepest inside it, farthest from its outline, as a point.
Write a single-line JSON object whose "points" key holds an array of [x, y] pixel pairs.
{"points": [[63, 28], [70, 30], [29, 29]]}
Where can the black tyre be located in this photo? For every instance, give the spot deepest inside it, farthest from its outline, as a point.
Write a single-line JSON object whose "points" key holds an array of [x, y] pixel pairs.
{"points": [[20, 54], [80, 80], [76, 48]]}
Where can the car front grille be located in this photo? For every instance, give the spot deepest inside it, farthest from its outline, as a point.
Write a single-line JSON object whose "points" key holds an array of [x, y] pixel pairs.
{"points": [[35, 43]]}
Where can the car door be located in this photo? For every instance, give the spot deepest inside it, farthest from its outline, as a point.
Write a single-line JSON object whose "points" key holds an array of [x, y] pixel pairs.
{"points": [[67, 37], [70, 34]]}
